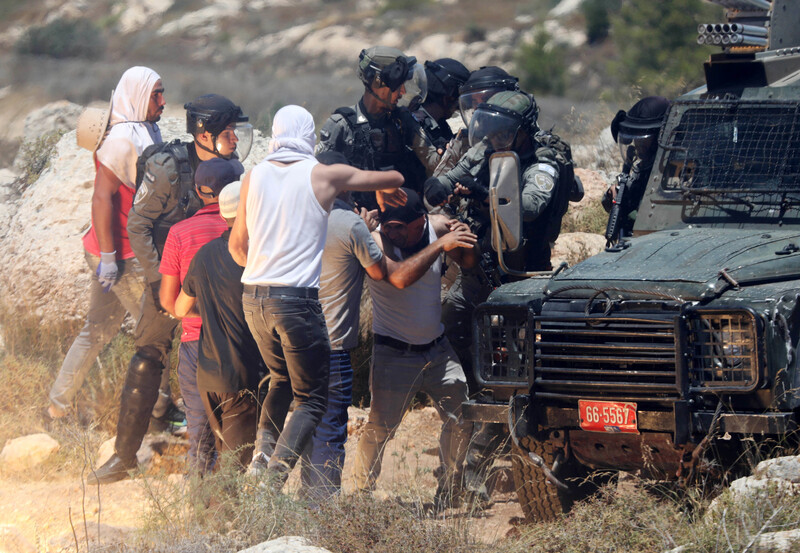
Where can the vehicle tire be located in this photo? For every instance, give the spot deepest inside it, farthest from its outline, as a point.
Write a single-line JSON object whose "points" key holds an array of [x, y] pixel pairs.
{"points": [[539, 499]]}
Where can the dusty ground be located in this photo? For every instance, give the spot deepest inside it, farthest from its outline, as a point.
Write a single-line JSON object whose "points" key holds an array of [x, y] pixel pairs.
{"points": [[38, 516]]}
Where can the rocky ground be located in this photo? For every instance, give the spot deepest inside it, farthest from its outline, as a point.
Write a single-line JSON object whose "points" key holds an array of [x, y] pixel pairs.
{"points": [[45, 515]]}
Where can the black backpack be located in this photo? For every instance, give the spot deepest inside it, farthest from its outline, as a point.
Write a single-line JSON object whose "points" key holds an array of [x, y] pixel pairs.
{"points": [[178, 151]]}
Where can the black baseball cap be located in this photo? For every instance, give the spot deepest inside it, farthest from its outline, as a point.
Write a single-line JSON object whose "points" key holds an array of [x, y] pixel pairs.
{"points": [[411, 211], [216, 173]]}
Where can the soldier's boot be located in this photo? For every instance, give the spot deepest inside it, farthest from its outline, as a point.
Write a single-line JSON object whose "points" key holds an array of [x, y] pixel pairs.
{"points": [[485, 441], [139, 395]]}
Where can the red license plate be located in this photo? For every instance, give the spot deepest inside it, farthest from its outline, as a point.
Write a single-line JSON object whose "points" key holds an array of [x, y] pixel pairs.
{"points": [[608, 416]]}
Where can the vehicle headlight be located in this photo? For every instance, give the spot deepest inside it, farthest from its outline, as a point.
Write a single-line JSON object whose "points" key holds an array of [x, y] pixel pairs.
{"points": [[723, 350]]}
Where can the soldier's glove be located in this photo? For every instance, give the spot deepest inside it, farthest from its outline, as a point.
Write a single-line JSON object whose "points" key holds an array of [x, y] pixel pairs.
{"points": [[476, 190], [155, 287], [437, 192], [107, 270]]}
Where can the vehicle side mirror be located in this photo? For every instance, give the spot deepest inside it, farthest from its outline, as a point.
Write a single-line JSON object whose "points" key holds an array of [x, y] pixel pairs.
{"points": [[505, 201]]}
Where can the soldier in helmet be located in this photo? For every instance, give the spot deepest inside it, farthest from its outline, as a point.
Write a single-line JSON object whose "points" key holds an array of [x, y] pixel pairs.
{"points": [[636, 133], [379, 132], [506, 121], [166, 196], [444, 77]]}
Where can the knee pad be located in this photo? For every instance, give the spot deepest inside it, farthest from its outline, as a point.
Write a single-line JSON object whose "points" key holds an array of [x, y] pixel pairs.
{"points": [[145, 366]]}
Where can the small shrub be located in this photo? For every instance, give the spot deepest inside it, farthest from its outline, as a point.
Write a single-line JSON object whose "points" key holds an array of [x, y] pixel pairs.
{"points": [[598, 22], [402, 5], [63, 38], [589, 218], [541, 66], [35, 157]]}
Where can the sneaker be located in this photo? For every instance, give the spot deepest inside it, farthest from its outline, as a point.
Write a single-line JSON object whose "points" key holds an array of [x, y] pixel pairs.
{"points": [[258, 466], [173, 421]]}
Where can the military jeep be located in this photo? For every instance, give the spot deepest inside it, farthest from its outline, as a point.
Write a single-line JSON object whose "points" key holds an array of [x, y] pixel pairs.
{"points": [[674, 353]]}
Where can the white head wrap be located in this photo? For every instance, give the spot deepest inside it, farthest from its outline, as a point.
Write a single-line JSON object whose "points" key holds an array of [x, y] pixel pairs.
{"points": [[130, 132], [293, 135]]}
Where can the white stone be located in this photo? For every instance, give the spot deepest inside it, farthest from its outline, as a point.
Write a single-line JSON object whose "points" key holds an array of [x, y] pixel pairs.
{"points": [[574, 247], [337, 43], [27, 451], [785, 468], [787, 541], [286, 544], [55, 116], [565, 7], [136, 15]]}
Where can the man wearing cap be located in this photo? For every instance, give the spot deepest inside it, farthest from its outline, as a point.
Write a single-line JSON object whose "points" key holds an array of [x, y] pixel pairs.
{"points": [[229, 365], [410, 351], [278, 237], [116, 286], [379, 132], [636, 133], [185, 238], [166, 196]]}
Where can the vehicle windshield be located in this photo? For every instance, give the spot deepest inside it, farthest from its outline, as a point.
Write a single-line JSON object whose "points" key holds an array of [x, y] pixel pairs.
{"points": [[734, 148]]}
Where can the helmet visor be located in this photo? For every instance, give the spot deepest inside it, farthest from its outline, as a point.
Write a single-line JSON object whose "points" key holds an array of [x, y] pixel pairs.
{"points": [[643, 145], [244, 133], [416, 88], [498, 129], [468, 101]]}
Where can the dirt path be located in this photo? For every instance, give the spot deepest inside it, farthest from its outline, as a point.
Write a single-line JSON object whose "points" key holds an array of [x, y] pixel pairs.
{"points": [[38, 512]]}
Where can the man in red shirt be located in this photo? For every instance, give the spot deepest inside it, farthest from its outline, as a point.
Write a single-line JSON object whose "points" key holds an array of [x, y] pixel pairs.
{"points": [[184, 240], [117, 282]]}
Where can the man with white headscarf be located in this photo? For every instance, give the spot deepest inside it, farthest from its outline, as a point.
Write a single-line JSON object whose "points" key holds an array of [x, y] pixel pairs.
{"points": [[278, 238], [117, 284], [166, 196]]}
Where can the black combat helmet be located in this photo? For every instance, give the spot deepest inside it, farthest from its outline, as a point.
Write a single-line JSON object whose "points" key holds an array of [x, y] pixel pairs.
{"points": [[390, 67], [482, 85], [639, 127], [445, 77], [213, 113]]}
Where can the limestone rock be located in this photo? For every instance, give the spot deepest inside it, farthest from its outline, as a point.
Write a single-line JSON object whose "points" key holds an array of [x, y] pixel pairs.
{"points": [[287, 544], [574, 247], [27, 451], [101, 536], [135, 15], [42, 268], [784, 468], [55, 116], [778, 542]]}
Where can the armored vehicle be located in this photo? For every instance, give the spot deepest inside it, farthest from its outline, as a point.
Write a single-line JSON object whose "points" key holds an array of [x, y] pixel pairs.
{"points": [[673, 353]]}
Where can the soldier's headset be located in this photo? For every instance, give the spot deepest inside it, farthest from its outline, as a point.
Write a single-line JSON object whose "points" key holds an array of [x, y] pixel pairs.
{"points": [[393, 75]]}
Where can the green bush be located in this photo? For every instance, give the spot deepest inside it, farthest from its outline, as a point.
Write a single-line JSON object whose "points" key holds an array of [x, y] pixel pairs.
{"points": [[657, 44], [598, 20], [63, 38], [541, 66]]}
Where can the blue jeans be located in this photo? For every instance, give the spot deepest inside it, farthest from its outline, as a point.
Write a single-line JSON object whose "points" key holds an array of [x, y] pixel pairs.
{"points": [[322, 462], [202, 452], [293, 341]]}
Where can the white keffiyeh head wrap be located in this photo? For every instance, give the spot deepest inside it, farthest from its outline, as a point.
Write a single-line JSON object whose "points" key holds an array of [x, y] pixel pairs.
{"points": [[130, 132], [293, 135]]}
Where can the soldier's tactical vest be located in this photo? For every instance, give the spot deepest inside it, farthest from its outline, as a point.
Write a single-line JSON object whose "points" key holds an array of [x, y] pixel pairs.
{"points": [[383, 149]]}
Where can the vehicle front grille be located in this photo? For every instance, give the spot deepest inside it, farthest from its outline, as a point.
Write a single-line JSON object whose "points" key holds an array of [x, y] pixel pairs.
{"points": [[620, 356]]}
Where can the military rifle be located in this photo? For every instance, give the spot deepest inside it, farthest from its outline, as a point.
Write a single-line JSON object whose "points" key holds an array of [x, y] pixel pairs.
{"points": [[613, 227]]}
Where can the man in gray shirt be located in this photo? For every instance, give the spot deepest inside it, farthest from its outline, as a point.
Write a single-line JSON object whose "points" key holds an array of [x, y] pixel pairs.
{"points": [[349, 252]]}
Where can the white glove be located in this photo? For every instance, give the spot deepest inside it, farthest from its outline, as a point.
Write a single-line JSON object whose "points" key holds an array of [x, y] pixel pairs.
{"points": [[107, 270]]}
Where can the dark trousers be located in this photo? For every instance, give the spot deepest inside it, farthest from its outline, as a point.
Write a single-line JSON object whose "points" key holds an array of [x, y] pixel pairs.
{"points": [[233, 418], [293, 341]]}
